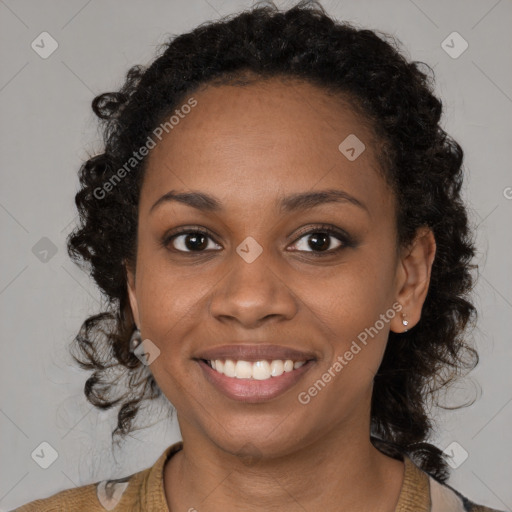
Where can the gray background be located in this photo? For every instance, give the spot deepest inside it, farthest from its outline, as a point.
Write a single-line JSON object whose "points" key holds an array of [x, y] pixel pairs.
{"points": [[48, 129]]}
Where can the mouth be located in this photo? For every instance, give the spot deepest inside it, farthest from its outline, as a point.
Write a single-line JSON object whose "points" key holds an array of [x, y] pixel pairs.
{"points": [[253, 376], [258, 370]]}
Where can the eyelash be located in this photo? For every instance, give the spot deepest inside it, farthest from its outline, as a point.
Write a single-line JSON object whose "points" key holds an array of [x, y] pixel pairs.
{"points": [[346, 240]]}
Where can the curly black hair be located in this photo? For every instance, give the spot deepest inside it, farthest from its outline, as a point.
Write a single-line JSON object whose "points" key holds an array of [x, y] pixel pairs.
{"points": [[419, 159]]}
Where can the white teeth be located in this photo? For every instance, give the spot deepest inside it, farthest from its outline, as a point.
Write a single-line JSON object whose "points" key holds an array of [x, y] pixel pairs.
{"points": [[288, 365], [258, 370], [276, 368], [243, 370], [229, 368], [261, 370]]}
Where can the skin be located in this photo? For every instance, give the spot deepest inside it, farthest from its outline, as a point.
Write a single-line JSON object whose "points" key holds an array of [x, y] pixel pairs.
{"points": [[249, 147]]}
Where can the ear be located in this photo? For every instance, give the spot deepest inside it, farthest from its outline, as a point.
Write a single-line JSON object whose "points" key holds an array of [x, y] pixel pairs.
{"points": [[130, 281], [413, 278]]}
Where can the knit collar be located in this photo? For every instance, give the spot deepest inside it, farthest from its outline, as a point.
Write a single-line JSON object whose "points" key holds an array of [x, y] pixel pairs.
{"points": [[414, 494]]}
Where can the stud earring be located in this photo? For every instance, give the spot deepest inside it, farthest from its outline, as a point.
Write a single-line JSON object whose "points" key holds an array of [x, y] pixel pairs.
{"points": [[404, 321], [135, 339]]}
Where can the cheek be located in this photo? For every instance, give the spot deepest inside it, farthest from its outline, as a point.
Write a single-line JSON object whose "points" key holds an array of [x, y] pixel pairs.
{"points": [[354, 339], [167, 302], [165, 294], [350, 299], [169, 312], [352, 311]]}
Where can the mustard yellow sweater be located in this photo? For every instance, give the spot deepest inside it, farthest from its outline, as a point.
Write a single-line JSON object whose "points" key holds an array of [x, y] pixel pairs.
{"points": [[144, 492]]}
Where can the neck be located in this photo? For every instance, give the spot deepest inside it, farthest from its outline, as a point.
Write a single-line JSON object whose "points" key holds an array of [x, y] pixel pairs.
{"points": [[336, 472]]}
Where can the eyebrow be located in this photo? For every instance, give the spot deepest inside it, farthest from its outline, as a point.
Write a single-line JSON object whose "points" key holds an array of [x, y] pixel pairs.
{"points": [[293, 202]]}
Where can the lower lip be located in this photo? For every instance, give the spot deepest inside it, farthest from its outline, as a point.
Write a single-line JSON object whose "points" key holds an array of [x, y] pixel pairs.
{"points": [[253, 390]]}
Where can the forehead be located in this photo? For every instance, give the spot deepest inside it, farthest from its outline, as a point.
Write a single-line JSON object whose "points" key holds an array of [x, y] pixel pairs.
{"points": [[249, 143]]}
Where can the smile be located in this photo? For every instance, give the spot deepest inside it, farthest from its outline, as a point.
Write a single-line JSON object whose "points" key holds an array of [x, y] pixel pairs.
{"points": [[258, 370], [256, 381]]}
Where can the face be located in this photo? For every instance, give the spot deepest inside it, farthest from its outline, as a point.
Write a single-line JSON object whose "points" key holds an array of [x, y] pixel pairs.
{"points": [[269, 272]]}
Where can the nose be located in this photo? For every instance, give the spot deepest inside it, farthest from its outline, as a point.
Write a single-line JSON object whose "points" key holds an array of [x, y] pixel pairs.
{"points": [[253, 293]]}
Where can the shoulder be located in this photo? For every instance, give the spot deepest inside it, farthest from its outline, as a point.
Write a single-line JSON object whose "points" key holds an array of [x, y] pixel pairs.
{"points": [[127, 494], [444, 498], [421, 492], [99, 496]]}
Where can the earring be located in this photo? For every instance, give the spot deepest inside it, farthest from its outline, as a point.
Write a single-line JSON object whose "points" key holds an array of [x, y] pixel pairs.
{"points": [[135, 339], [404, 321]]}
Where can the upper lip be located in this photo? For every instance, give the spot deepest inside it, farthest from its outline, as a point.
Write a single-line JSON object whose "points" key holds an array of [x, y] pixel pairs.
{"points": [[253, 353]]}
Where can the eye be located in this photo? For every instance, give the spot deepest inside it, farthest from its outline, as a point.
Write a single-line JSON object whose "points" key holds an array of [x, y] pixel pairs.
{"points": [[323, 240], [190, 240]]}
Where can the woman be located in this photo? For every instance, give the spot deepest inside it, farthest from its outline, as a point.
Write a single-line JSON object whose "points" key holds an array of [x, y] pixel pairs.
{"points": [[277, 222]]}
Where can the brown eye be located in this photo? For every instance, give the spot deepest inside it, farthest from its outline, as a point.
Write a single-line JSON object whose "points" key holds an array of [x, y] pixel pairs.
{"points": [[190, 241], [318, 241], [323, 240]]}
